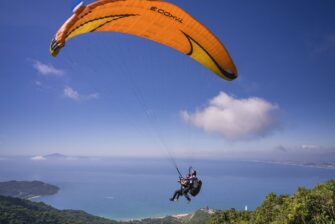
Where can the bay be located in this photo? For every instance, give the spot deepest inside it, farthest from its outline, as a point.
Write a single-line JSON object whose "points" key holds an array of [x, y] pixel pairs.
{"points": [[132, 188]]}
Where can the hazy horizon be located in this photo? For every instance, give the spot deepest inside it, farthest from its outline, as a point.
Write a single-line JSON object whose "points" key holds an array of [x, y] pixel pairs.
{"points": [[279, 157]]}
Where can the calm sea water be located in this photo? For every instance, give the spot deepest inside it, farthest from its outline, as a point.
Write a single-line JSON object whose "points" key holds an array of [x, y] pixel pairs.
{"points": [[123, 188]]}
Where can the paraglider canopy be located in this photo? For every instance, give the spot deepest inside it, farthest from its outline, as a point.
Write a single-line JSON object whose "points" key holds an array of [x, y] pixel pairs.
{"points": [[156, 20]]}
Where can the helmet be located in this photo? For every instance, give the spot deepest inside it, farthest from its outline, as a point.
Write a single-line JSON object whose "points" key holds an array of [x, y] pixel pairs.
{"points": [[194, 172]]}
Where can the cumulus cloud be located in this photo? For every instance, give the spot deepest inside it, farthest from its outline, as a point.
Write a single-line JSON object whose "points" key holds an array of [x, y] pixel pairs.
{"points": [[47, 70], [235, 119], [74, 95], [38, 158]]}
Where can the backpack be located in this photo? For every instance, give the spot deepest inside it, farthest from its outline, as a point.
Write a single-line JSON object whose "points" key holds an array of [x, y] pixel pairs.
{"points": [[196, 187]]}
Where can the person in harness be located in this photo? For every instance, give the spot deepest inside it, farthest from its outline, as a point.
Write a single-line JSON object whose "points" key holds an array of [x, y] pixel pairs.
{"points": [[189, 184]]}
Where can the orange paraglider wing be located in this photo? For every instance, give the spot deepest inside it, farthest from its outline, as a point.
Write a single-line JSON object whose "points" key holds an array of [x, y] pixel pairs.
{"points": [[159, 21]]}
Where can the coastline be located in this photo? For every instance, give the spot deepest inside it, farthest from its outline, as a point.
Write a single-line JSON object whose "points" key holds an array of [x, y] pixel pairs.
{"points": [[326, 166], [34, 197], [177, 216]]}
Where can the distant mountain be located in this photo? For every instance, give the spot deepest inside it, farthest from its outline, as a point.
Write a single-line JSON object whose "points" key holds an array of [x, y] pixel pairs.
{"points": [[26, 189], [55, 156]]}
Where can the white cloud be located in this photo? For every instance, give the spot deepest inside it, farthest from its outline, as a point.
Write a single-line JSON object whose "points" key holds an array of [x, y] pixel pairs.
{"points": [[71, 93], [74, 95], [47, 70], [38, 158], [235, 119]]}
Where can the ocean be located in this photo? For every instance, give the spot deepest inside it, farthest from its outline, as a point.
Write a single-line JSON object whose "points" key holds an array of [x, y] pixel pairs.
{"points": [[133, 188]]}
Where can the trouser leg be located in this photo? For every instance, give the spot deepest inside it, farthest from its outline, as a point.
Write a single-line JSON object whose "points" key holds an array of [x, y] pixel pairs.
{"points": [[187, 196], [176, 194], [185, 192]]}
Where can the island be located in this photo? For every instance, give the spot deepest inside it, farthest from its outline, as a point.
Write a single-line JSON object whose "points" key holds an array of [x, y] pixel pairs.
{"points": [[27, 189]]}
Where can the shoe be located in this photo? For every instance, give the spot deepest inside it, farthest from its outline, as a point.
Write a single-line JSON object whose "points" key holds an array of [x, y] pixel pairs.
{"points": [[188, 201], [171, 199]]}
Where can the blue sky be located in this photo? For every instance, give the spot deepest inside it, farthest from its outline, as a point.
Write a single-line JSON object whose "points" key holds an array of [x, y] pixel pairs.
{"points": [[115, 94]]}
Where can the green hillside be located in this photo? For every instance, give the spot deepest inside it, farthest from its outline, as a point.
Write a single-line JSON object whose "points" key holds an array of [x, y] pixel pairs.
{"points": [[26, 189], [20, 211], [305, 206]]}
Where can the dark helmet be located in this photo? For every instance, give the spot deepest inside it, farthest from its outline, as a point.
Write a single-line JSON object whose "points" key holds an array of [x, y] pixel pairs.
{"points": [[194, 173]]}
